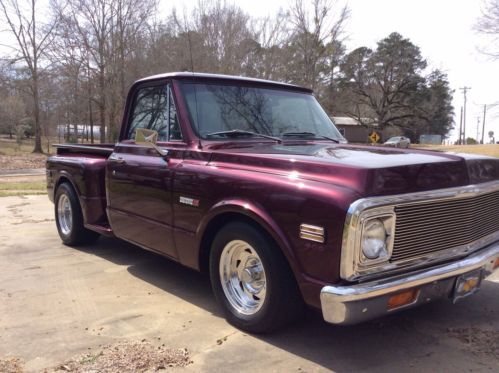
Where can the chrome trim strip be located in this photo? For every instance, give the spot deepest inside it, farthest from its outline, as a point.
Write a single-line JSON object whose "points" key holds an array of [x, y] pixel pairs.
{"points": [[350, 269], [312, 233], [312, 229], [336, 300]]}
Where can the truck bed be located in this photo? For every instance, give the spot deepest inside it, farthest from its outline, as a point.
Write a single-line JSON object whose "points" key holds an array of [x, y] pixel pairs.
{"points": [[100, 149], [83, 167]]}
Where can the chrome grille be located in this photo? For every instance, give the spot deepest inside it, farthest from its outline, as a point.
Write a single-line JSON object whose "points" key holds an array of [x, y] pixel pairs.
{"points": [[433, 227]]}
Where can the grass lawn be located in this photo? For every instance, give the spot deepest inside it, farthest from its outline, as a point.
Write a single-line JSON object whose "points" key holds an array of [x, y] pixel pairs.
{"points": [[8, 188], [487, 149], [11, 147]]}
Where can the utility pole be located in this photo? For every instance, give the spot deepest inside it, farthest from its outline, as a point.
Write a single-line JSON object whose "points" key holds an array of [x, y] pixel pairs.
{"points": [[486, 107], [483, 121], [461, 128], [465, 90], [477, 129]]}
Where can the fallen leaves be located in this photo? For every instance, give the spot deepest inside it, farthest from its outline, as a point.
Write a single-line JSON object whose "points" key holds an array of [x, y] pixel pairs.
{"points": [[479, 341], [11, 365], [132, 356]]}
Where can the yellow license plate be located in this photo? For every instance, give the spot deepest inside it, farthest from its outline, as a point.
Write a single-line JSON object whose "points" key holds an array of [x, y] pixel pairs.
{"points": [[467, 284]]}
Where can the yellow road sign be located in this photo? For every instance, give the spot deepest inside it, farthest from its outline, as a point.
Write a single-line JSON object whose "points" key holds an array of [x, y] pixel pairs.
{"points": [[374, 137]]}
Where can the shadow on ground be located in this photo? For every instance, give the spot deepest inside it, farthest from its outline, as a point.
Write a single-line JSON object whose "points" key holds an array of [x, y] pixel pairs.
{"points": [[421, 333]]}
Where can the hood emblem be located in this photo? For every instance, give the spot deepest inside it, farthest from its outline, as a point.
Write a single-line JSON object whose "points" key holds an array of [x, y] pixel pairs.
{"points": [[189, 201]]}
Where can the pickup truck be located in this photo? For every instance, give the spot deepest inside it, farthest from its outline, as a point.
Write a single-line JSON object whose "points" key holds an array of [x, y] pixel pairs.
{"points": [[250, 181]]}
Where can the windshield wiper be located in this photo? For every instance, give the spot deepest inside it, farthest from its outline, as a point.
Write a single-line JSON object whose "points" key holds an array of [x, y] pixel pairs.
{"points": [[309, 134], [240, 133]]}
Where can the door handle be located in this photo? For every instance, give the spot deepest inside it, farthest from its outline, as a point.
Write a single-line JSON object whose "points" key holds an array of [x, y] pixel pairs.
{"points": [[115, 158]]}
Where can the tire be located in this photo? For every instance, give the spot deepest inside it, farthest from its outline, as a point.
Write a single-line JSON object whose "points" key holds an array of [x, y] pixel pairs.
{"points": [[69, 218], [251, 279]]}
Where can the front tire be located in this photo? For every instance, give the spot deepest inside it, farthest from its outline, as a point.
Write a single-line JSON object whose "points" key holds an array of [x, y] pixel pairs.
{"points": [[251, 279], [69, 218]]}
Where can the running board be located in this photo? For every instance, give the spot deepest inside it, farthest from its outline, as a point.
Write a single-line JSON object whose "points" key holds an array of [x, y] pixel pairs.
{"points": [[105, 230]]}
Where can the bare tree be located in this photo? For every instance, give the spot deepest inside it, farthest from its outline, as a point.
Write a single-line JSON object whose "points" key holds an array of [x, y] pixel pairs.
{"points": [[315, 35], [106, 31], [32, 39], [488, 25]]}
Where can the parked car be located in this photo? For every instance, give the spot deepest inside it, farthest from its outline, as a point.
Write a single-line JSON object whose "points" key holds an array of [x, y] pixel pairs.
{"points": [[247, 179], [398, 142]]}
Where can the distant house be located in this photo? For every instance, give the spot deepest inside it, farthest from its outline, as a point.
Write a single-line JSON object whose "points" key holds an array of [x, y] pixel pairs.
{"points": [[353, 131]]}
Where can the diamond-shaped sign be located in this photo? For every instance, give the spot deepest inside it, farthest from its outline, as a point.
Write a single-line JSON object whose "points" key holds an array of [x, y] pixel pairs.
{"points": [[374, 137]]}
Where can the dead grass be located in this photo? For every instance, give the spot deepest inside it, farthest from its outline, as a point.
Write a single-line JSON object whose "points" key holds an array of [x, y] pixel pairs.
{"points": [[488, 149], [17, 162], [14, 156]]}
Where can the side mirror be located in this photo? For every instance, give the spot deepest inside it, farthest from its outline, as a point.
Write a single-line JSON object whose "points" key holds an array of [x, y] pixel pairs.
{"points": [[149, 138]]}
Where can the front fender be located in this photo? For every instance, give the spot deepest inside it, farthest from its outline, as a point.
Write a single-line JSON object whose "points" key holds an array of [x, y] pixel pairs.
{"points": [[256, 213]]}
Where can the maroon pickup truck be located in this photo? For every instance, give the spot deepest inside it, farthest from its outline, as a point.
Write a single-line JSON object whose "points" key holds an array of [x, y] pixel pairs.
{"points": [[250, 181]]}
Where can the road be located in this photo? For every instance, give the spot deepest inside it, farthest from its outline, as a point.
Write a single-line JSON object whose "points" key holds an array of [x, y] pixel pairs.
{"points": [[57, 302]]}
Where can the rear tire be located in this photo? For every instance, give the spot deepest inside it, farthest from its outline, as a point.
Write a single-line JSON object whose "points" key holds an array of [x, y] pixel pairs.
{"points": [[69, 218], [251, 279]]}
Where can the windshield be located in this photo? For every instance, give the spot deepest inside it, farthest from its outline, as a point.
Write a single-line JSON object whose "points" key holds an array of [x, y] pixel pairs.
{"points": [[217, 108], [394, 139]]}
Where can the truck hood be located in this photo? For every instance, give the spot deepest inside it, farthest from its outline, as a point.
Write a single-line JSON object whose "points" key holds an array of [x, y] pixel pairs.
{"points": [[368, 170]]}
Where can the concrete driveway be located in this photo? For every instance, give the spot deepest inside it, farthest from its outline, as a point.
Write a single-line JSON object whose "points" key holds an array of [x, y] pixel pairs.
{"points": [[57, 302]]}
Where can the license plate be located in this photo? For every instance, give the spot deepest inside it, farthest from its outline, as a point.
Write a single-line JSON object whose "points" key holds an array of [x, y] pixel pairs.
{"points": [[467, 284]]}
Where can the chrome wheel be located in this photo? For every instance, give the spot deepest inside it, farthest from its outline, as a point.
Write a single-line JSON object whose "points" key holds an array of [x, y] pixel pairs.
{"points": [[64, 214], [242, 277]]}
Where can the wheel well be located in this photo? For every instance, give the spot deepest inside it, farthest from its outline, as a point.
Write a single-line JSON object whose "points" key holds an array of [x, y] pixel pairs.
{"points": [[212, 229], [63, 179]]}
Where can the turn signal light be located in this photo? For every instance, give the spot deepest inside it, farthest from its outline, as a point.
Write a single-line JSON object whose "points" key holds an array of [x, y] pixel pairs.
{"points": [[403, 299], [496, 264]]}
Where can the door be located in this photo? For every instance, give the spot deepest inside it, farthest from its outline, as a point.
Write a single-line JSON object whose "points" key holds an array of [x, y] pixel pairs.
{"points": [[139, 180]]}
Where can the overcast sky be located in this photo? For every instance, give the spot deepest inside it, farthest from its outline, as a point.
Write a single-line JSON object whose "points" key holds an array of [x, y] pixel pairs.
{"points": [[443, 29]]}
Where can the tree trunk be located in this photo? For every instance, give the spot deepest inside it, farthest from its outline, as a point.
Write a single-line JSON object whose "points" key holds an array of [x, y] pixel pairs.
{"points": [[102, 105], [36, 102], [36, 99]]}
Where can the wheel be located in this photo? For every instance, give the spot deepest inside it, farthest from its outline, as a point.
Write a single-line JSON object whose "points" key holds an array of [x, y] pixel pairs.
{"points": [[251, 279], [69, 218]]}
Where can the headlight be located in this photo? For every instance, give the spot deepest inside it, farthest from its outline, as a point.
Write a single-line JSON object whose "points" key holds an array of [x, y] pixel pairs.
{"points": [[367, 241], [374, 239]]}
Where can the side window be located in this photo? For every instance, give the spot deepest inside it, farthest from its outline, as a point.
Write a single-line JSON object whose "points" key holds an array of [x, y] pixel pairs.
{"points": [[150, 111]]}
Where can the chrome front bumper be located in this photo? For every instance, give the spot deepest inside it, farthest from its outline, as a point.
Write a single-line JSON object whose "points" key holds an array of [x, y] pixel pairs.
{"points": [[356, 303]]}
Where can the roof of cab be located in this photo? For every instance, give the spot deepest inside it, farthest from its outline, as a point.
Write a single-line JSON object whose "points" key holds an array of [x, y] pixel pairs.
{"points": [[220, 77]]}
